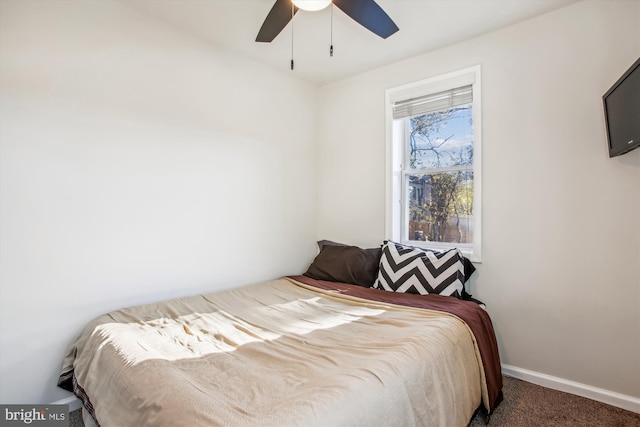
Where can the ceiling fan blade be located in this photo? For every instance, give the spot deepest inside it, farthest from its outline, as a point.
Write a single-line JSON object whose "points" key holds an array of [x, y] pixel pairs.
{"points": [[278, 18], [368, 14]]}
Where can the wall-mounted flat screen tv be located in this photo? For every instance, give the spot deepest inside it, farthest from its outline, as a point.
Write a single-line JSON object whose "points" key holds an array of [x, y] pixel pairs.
{"points": [[622, 112]]}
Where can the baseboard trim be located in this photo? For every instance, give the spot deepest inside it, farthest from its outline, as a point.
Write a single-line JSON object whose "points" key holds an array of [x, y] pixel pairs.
{"points": [[73, 402], [601, 395]]}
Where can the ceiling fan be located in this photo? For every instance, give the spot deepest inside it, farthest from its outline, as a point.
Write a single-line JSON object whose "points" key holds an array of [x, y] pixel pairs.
{"points": [[366, 12]]}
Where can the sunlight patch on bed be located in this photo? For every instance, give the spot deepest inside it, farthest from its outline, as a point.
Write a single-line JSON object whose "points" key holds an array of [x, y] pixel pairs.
{"points": [[184, 337], [196, 335]]}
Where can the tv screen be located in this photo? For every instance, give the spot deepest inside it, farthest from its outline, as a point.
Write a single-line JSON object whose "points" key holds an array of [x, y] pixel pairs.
{"points": [[622, 112]]}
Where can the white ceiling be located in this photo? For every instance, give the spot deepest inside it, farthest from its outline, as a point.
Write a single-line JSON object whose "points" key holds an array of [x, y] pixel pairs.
{"points": [[424, 25]]}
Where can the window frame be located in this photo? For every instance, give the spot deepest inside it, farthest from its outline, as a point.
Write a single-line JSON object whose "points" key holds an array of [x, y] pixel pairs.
{"points": [[396, 214]]}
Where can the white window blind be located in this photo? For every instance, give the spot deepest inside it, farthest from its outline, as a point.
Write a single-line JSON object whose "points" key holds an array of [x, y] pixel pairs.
{"points": [[433, 102]]}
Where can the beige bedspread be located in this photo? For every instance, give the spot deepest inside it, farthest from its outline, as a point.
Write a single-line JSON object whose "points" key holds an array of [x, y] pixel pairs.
{"points": [[277, 353]]}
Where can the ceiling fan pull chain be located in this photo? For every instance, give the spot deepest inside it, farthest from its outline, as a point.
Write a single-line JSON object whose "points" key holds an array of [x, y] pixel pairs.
{"points": [[331, 47], [292, 13]]}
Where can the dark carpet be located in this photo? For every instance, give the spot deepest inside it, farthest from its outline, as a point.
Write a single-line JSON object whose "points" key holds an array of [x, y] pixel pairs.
{"points": [[530, 405]]}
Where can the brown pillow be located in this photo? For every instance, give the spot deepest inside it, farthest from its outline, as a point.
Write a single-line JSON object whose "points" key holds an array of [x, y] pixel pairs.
{"points": [[347, 264]]}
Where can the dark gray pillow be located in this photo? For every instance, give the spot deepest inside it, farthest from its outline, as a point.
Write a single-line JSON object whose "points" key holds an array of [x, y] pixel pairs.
{"points": [[469, 268], [346, 264]]}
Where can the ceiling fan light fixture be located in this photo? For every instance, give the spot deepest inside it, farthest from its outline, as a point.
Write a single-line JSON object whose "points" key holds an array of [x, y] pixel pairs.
{"points": [[311, 5]]}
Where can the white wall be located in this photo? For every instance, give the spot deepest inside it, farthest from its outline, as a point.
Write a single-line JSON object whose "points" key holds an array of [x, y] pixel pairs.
{"points": [[561, 226], [137, 164]]}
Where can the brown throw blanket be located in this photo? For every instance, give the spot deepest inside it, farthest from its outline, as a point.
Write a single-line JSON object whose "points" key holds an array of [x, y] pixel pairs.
{"points": [[475, 317]]}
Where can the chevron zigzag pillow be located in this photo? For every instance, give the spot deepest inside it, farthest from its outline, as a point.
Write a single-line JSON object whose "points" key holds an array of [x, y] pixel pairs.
{"points": [[420, 271]]}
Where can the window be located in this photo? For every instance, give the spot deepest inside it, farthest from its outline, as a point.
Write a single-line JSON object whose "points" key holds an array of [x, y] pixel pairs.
{"points": [[433, 163]]}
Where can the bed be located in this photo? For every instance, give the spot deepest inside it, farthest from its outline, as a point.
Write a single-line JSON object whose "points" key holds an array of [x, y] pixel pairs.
{"points": [[292, 351]]}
